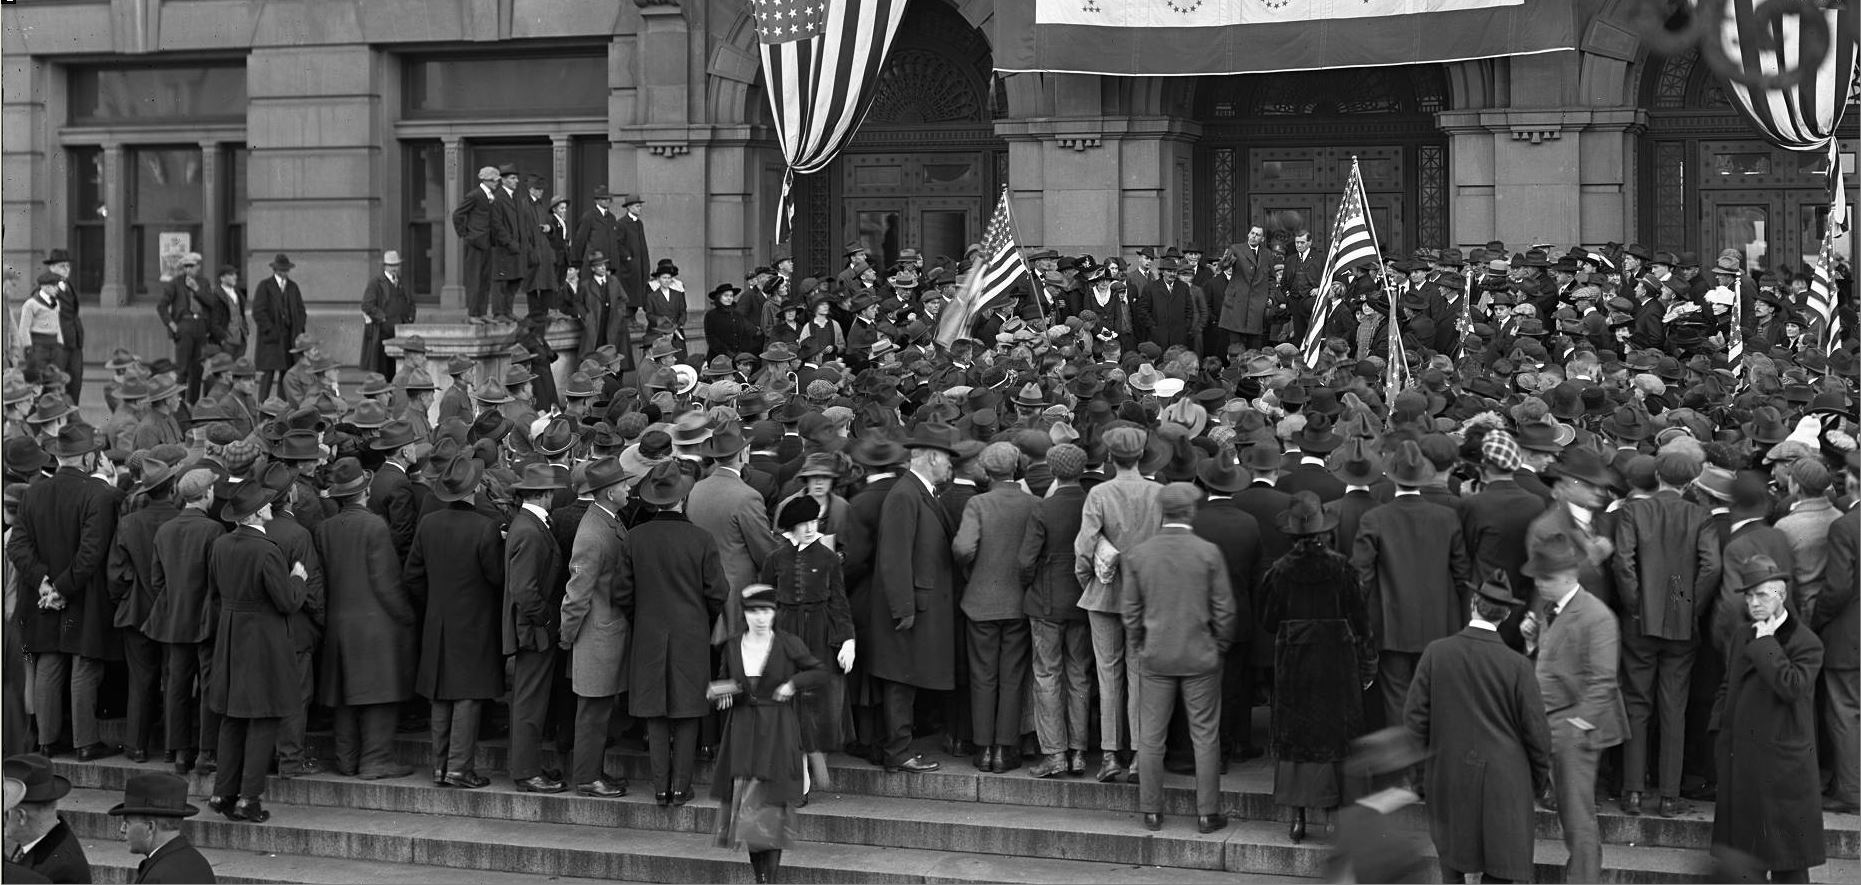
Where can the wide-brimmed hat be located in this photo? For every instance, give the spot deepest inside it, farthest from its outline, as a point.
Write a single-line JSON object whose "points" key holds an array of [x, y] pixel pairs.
{"points": [[75, 439], [1353, 464], [1316, 436], [665, 484], [1409, 467], [1581, 463], [368, 415], [1497, 588], [723, 444], [1305, 516], [542, 477], [1766, 427], [458, 479], [491, 392], [1222, 474], [934, 435], [247, 498], [347, 477], [154, 794], [394, 435], [35, 771], [304, 342], [1262, 457], [878, 452], [51, 407], [603, 473], [282, 262]]}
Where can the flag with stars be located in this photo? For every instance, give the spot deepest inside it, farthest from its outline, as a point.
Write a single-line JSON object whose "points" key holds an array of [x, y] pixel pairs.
{"points": [[997, 271], [820, 59], [1352, 243]]}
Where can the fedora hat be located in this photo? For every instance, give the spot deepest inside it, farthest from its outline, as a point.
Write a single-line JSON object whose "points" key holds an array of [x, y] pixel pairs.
{"points": [[691, 429], [247, 498], [374, 384], [725, 444], [162, 388], [558, 436], [282, 262], [665, 484], [1409, 467], [1766, 427], [297, 445], [35, 771], [394, 435], [1145, 378], [876, 453], [459, 365], [603, 473], [1581, 463], [820, 464], [934, 435], [1353, 465], [154, 794], [1540, 437], [53, 406], [491, 392], [1497, 588], [1554, 553], [1222, 474], [542, 477], [74, 440], [347, 478], [458, 479], [1317, 436], [1305, 516], [304, 342], [1262, 457], [369, 415]]}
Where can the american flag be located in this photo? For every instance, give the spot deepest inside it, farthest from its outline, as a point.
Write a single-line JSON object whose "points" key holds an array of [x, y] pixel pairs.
{"points": [[1352, 243], [820, 59], [1822, 276], [997, 271], [1735, 353]]}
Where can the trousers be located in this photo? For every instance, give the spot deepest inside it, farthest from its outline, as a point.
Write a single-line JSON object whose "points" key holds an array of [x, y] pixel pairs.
{"points": [[1843, 719], [1118, 684], [1395, 670], [532, 673], [672, 751], [364, 736], [1655, 672], [898, 703], [1062, 694], [477, 280], [1201, 695], [997, 672], [592, 716], [291, 727], [246, 746], [142, 656], [455, 736], [62, 684], [1573, 775], [189, 667]]}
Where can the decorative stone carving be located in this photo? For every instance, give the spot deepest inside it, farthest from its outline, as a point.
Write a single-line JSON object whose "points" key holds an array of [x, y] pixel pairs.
{"points": [[922, 86], [668, 148], [1536, 136], [1078, 142]]}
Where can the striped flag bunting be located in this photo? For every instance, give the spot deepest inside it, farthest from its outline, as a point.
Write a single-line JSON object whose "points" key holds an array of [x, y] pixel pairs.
{"points": [[819, 60], [997, 272], [1801, 117], [1352, 243], [1735, 352]]}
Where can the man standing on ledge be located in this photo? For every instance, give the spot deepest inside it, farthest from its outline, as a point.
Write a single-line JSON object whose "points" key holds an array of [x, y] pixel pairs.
{"points": [[472, 222], [630, 251]]}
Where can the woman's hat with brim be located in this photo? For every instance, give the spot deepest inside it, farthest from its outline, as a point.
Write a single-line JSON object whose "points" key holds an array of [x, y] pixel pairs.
{"points": [[665, 484], [759, 596], [154, 794], [823, 464], [1305, 516]]}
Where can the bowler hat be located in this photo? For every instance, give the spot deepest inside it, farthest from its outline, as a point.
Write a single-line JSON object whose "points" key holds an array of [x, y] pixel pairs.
{"points": [[1305, 516], [665, 484], [155, 794], [542, 477]]}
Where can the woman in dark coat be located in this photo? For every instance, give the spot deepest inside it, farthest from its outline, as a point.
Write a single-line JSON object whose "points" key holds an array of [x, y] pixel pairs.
{"points": [[671, 587], [761, 673], [726, 330], [811, 589], [1323, 656], [255, 679], [1769, 809]]}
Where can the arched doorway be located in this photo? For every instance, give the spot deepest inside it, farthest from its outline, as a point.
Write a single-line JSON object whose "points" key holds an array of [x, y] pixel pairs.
{"points": [[1276, 150], [925, 164], [1709, 182]]}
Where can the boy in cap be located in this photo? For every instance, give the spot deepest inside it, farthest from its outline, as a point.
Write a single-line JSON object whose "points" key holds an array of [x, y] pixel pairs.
{"points": [[988, 544], [1062, 642]]}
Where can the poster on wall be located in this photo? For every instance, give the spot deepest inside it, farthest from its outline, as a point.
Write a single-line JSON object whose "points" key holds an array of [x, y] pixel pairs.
{"points": [[172, 245]]}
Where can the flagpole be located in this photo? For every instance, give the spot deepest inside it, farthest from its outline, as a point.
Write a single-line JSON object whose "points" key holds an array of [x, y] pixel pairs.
{"points": [[1394, 372], [1014, 229]]}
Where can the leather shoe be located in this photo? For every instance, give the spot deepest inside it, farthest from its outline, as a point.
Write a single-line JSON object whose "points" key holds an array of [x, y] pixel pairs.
{"points": [[680, 797], [391, 771], [207, 764], [465, 780], [915, 765], [1178, 766], [300, 768], [1631, 804], [539, 784], [249, 810], [1076, 763], [663, 797], [984, 760], [1296, 831], [1111, 772], [1673, 806], [1209, 823], [1007, 758], [1049, 766], [137, 755], [1153, 821], [221, 805], [601, 789]]}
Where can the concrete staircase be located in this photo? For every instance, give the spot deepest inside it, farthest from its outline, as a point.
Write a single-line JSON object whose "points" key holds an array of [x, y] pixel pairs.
{"points": [[954, 825]]}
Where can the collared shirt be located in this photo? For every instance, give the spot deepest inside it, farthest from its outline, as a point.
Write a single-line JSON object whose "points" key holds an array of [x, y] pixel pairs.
{"points": [[875, 477], [928, 485], [257, 527], [1581, 514], [37, 316], [1177, 525], [1564, 600], [1349, 489], [1313, 460], [730, 470], [1403, 493], [1741, 523], [1483, 624], [611, 513], [541, 514], [281, 282]]}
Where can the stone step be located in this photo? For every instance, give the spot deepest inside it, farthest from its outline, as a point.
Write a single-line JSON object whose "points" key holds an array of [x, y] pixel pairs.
{"points": [[1057, 834], [1247, 792], [542, 848], [111, 864]]}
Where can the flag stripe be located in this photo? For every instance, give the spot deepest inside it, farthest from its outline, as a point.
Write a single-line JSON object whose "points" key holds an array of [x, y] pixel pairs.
{"points": [[1802, 117], [994, 279], [1351, 243]]}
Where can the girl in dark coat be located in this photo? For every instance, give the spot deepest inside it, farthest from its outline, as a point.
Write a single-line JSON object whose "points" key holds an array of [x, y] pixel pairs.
{"points": [[1769, 808], [726, 330], [1323, 658], [811, 590], [762, 671]]}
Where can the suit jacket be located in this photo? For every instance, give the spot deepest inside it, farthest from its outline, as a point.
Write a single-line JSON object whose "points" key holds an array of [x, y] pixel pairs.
{"points": [[1666, 564], [1350, 510], [1178, 607], [63, 534], [1165, 314], [1837, 618], [391, 497], [917, 580], [306, 624], [1312, 478], [198, 311], [1595, 576], [1577, 659], [1417, 595], [1264, 502], [592, 623], [1807, 527], [1475, 704], [59, 856], [177, 861], [531, 559], [988, 545], [1236, 533], [132, 562], [369, 651], [1245, 297], [632, 261], [738, 520], [386, 304], [595, 231], [277, 319], [1494, 524], [181, 612], [458, 553], [472, 220], [1122, 513], [1046, 557]]}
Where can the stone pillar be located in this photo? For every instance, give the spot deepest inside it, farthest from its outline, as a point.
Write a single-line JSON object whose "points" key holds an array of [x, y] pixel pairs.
{"points": [[212, 251], [1079, 184], [559, 151], [452, 293], [1547, 175], [115, 292]]}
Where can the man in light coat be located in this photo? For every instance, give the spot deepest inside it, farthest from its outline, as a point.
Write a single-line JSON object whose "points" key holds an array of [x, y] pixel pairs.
{"points": [[1119, 514], [1578, 650], [1180, 616], [593, 629], [733, 512]]}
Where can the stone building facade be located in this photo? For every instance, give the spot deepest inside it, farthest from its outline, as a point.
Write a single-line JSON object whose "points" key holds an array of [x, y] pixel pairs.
{"points": [[333, 130]]}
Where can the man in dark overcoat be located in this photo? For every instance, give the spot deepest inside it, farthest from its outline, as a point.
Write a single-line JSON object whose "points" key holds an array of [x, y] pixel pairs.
{"points": [[131, 568], [632, 259], [510, 239], [1248, 290], [52, 850], [1837, 620], [386, 303], [278, 316], [1582, 486], [1165, 309], [368, 646], [59, 551], [471, 221], [1494, 522], [391, 488], [460, 552], [255, 673], [596, 231], [914, 595], [183, 622], [1236, 533], [1475, 704], [671, 585], [532, 612], [306, 624], [881, 459]]}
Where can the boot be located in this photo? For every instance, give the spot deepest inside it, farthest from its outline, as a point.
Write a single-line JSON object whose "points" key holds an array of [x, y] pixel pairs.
{"points": [[1049, 766], [1297, 831]]}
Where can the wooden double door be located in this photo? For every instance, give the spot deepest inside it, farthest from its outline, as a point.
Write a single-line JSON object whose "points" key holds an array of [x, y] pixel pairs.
{"points": [[1290, 189], [935, 202]]}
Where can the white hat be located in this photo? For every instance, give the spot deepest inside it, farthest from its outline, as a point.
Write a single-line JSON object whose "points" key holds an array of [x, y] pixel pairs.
{"points": [[191, 258], [1169, 387], [390, 257], [488, 173]]}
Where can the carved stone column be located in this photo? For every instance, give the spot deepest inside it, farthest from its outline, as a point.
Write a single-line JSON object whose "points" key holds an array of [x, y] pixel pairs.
{"points": [[210, 247], [452, 294], [115, 292], [559, 150]]}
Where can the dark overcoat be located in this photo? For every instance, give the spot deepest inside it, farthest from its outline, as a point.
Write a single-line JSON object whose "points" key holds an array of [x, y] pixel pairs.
{"points": [[859, 537], [181, 611], [132, 562], [671, 586], [306, 623], [1046, 557], [59, 857], [368, 648], [386, 304], [916, 579], [456, 566], [632, 261], [177, 861], [508, 251], [1475, 704], [1165, 313], [63, 535], [1245, 297], [595, 231], [1413, 564], [532, 609], [391, 497], [254, 669], [1311, 604], [278, 317], [1769, 801]]}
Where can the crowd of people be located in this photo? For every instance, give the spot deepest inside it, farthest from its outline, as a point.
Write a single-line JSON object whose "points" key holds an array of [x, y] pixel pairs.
{"points": [[1597, 541]]}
